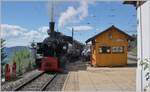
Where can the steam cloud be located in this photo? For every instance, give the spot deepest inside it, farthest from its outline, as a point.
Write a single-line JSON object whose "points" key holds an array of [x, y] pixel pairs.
{"points": [[73, 15]]}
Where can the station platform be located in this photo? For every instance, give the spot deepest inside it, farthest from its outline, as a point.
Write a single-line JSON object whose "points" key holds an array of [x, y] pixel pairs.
{"points": [[103, 79]]}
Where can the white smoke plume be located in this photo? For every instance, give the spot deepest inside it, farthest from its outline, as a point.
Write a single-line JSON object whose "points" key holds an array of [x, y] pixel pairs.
{"points": [[73, 15]]}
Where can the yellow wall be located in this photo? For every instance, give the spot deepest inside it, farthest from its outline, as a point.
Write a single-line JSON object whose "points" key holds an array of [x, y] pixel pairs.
{"points": [[94, 56], [112, 59]]}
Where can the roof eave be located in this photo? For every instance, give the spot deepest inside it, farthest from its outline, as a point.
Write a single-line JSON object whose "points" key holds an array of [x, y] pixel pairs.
{"points": [[134, 3], [92, 38]]}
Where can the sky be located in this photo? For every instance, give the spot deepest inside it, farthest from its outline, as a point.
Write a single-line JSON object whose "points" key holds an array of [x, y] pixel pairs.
{"points": [[25, 21]]}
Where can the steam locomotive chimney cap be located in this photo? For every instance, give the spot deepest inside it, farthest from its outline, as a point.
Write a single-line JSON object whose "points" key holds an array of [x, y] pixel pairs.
{"points": [[51, 27]]}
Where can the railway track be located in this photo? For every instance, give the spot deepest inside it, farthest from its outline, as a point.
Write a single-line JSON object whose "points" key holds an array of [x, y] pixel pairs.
{"points": [[38, 83]]}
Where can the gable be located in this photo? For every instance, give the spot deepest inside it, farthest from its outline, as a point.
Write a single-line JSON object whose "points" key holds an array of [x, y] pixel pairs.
{"points": [[110, 29], [112, 34]]}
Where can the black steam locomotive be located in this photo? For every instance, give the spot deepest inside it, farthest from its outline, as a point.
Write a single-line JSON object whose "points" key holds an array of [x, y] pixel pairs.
{"points": [[51, 54]]}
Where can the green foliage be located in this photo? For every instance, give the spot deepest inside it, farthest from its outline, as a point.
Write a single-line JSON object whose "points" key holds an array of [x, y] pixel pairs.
{"points": [[145, 64], [23, 60], [29, 67]]}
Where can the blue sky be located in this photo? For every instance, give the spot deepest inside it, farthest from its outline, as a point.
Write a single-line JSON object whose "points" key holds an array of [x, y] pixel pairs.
{"points": [[25, 21]]}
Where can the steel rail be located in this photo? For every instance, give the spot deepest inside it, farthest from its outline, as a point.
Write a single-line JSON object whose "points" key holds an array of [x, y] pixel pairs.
{"points": [[48, 82], [29, 81]]}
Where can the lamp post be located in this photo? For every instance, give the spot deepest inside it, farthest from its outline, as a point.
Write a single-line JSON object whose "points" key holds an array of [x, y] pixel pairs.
{"points": [[72, 36]]}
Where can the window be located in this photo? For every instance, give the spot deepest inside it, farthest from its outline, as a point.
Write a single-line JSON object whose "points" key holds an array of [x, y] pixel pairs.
{"points": [[118, 49], [104, 49]]}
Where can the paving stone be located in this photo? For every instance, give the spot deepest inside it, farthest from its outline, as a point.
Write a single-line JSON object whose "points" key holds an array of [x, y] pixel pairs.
{"points": [[102, 79]]}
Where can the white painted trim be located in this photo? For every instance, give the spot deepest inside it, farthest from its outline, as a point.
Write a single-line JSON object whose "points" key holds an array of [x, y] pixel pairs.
{"points": [[143, 16]]}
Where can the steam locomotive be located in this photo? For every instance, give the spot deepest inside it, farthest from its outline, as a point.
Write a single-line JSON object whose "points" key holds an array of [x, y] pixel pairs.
{"points": [[51, 54]]}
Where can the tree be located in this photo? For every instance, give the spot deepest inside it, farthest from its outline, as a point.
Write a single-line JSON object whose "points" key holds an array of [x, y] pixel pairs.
{"points": [[3, 54]]}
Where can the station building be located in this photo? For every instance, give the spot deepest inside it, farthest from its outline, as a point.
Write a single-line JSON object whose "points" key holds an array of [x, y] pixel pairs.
{"points": [[110, 47]]}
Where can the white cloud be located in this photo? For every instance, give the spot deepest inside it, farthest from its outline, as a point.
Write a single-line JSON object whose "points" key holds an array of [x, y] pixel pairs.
{"points": [[19, 36], [43, 29], [81, 28], [97, 29], [14, 30], [73, 14]]}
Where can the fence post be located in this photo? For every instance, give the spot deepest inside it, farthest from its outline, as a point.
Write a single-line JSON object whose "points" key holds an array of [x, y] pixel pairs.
{"points": [[7, 72]]}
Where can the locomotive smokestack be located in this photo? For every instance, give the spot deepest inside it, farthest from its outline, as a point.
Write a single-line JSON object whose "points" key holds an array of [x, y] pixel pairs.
{"points": [[52, 23], [51, 26]]}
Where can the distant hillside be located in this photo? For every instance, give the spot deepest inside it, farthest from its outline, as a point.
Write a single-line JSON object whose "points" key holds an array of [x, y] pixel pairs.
{"points": [[11, 50]]}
